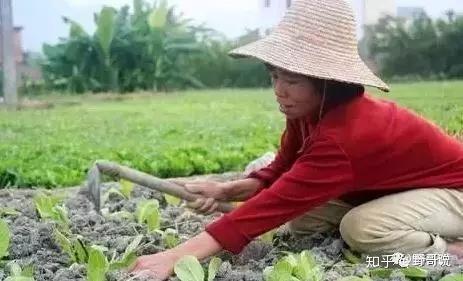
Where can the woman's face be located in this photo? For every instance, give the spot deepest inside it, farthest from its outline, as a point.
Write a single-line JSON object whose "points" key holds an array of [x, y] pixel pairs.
{"points": [[296, 94]]}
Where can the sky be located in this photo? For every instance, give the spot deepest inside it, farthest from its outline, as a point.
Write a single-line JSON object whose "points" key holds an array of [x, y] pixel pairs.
{"points": [[42, 21]]}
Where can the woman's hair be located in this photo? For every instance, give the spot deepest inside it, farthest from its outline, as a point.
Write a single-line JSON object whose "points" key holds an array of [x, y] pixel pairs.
{"points": [[336, 92]]}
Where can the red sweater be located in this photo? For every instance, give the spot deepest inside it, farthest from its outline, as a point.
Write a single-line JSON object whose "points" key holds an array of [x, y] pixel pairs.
{"points": [[358, 151]]}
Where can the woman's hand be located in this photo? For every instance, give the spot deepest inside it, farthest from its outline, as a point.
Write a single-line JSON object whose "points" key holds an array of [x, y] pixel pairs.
{"points": [[158, 266], [213, 192], [161, 265], [210, 192]]}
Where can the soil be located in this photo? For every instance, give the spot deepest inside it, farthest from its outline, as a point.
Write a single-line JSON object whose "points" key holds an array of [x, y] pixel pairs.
{"points": [[32, 240]]}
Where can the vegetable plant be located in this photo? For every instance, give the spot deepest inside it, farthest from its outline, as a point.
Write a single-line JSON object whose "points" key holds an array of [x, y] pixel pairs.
{"points": [[148, 213], [51, 208], [294, 267], [125, 190], [188, 268], [74, 247], [5, 237], [169, 237], [172, 200], [452, 277], [18, 274]]}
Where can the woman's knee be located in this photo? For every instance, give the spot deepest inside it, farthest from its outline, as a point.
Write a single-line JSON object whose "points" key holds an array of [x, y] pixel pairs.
{"points": [[356, 231]]}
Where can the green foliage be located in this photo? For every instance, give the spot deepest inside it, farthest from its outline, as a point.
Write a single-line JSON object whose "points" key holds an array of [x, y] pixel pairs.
{"points": [[170, 238], [422, 48], [97, 266], [4, 211], [128, 258], [172, 200], [148, 213], [268, 236], [411, 272], [126, 188], [188, 268], [302, 267], [50, 207], [154, 48], [452, 277], [73, 246], [157, 134], [19, 274], [5, 237], [350, 257]]}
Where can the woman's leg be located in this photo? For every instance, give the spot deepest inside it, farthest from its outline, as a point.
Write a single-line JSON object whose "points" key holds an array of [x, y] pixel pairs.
{"points": [[323, 218], [415, 221]]}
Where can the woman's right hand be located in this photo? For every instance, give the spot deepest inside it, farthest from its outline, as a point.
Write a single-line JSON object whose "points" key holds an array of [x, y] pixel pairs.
{"points": [[210, 192]]}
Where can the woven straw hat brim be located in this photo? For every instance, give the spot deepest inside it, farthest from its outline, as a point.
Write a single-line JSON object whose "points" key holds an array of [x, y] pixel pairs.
{"points": [[311, 61], [315, 38]]}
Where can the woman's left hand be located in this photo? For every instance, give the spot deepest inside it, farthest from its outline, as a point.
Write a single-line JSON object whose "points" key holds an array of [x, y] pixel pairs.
{"points": [[158, 266]]}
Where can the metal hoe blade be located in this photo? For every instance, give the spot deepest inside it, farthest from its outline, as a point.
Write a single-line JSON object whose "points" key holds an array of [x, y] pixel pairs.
{"points": [[93, 185]]}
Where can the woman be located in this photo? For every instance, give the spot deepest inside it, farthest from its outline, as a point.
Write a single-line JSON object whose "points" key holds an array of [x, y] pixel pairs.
{"points": [[391, 181]]}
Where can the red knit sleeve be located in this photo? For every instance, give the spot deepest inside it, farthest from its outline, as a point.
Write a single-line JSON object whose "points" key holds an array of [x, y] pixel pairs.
{"points": [[322, 173], [290, 142]]}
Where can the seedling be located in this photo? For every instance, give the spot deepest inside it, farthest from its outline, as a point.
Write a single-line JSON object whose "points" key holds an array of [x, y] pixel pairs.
{"points": [[148, 213], [169, 237], [410, 272], [98, 264], [294, 267], [268, 236], [18, 274], [188, 268], [49, 208], [5, 237], [4, 211], [73, 247], [125, 190], [172, 200], [452, 277], [128, 258]]}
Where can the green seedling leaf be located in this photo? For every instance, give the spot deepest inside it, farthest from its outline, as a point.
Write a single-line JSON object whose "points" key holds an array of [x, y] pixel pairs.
{"points": [[111, 191], [28, 271], [15, 269], [4, 211], [19, 278], [213, 268], [129, 257], [307, 268], [268, 236], [5, 237], [44, 205], [415, 272], [172, 200], [148, 211], [452, 277], [380, 272], [170, 238], [282, 270], [350, 257], [65, 244], [97, 266], [188, 268], [81, 251], [126, 188], [123, 215]]}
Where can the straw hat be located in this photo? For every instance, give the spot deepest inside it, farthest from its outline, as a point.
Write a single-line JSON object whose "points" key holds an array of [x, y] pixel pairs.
{"points": [[315, 38]]}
